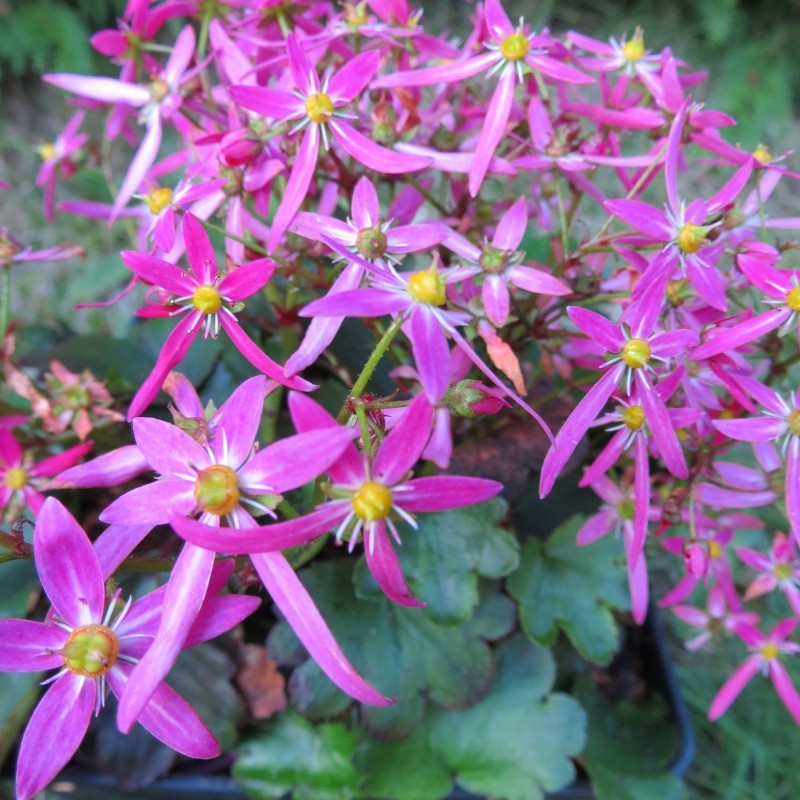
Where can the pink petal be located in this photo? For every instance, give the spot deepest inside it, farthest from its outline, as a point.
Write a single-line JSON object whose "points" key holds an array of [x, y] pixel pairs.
{"points": [[25, 646], [743, 333], [106, 90], [247, 279], [116, 543], [596, 527], [265, 538], [402, 448], [536, 281], [53, 464], [271, 103], [150, 504], [661, 427], [730, 498], [295, 460], [495, 299], [366, 152], [237, 422], [732, 688], [181, 55], [557, 69], [412, 238], [303, 72], [301, 613], [493, 127], [185, 593], [754, 429], [642, 500], [260, 360], [511, 228], [385, 568], [430, 351], [674, 145], [365, 209], [785, 689], [443, 492], [168, 717], [430, 76], [673, 343], [357, 303], [496, 20], [643, 217], [110, 469], [297, 185], [691, 616], [55, 729], [576, 425], [140, 166], [353, 77], [608, 456], [793, 486], [597, 328], [199, 250], [67, 566], [168, 450], [708, 281]]}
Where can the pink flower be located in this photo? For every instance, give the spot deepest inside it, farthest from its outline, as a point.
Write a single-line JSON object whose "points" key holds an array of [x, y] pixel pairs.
{"points": [[366, 493], [94, 646], [507, 51], [315, 107], [57, 156], [778, 570], [718, 618], [766, 652], [208, 300]]}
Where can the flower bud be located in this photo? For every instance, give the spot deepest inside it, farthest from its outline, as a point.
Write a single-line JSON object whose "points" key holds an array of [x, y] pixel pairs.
{"points": [[471, 399]]}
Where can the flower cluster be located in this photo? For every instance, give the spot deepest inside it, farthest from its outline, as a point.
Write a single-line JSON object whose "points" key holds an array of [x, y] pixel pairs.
{"points": [[352, 165]]}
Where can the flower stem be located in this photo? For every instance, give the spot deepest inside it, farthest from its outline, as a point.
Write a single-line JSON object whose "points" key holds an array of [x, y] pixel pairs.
{"points": [[372, 363], [427, 195], [5, 298]]}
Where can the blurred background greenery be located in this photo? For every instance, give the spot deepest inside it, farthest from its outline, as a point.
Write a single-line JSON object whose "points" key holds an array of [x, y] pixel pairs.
{"points": [[749, 48]]}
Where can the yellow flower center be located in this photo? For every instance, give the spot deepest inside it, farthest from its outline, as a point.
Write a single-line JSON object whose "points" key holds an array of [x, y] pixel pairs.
{"points": [[691, 237], [217, 490], [636, 353], [633, 50], [91, 650], [159, 89], [158, 200], [762, 154], [793, 299], [770, 651], [676, 292], [7, 248], [782, 572], [372, 501], [793, 421], [206, 299], [714, 550], [319, 108], [47, 151], [16, 478], [427, 286], [515, 47], [633, 417]]}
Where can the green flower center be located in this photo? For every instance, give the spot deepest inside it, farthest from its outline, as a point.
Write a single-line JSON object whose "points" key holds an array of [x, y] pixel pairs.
{"points": [[493, 261], [372, 501], [371, 242], [627, 509], [91, 650], [782, 572], [636, 353], [217, 490]]}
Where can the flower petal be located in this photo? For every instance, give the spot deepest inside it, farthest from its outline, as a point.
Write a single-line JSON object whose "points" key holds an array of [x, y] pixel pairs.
{"points": [[385, 567], [732, 688], [25, 645], [443, 492], [353, 77], [366, 152], [150, 504], [237, 422], [158, 272], [401, 449], [430, 351]]}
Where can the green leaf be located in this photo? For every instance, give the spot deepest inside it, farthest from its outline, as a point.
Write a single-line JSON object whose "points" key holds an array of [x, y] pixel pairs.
{"points": [[20, 588], [560, 586], [290, 754], [404, 652], [630, 748], [444, 558], [517, 743]]}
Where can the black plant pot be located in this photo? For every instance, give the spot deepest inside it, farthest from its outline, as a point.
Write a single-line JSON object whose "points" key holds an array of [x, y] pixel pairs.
{"points": [[82, 784]]}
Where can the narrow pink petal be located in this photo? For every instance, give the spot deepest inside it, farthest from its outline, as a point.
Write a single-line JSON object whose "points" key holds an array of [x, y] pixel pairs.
{"points": [[116, 543], [150, 504], [60, 461], [220, 614], [430, 351], [260, 360], [597, 328], [596, 527], [642, 500], [140, 166], [185, 593], [732, 688], [106, 90], [793, 486], [785, 689], [660, 426], [237, 422], [643, 217], [366, 152], [294, 602], [735, 336], [353, 77], [247, 279], [366, 210], [536, 281], [10, 450], [443, 492], [357, 303], [430, 76], [295, 460], [181, 55], [401, 449], [731, 190], [540, 127], [674, 147], [199, 249], [496, 300], [168, 449], [271, 103], [754, 429], [412, 238], [753, 559], [557, 69], [608, 456], [67, 566], [673, 343], [731, 498], [709, 282], [110, 469], [511, 228], [576, 425], [168, 717], [297, 185], [493, 127], [303, 72], [385, 567], [691, 615], [638, 586], [55, 729], [262, 539], [496, 20], [25, 645]]}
